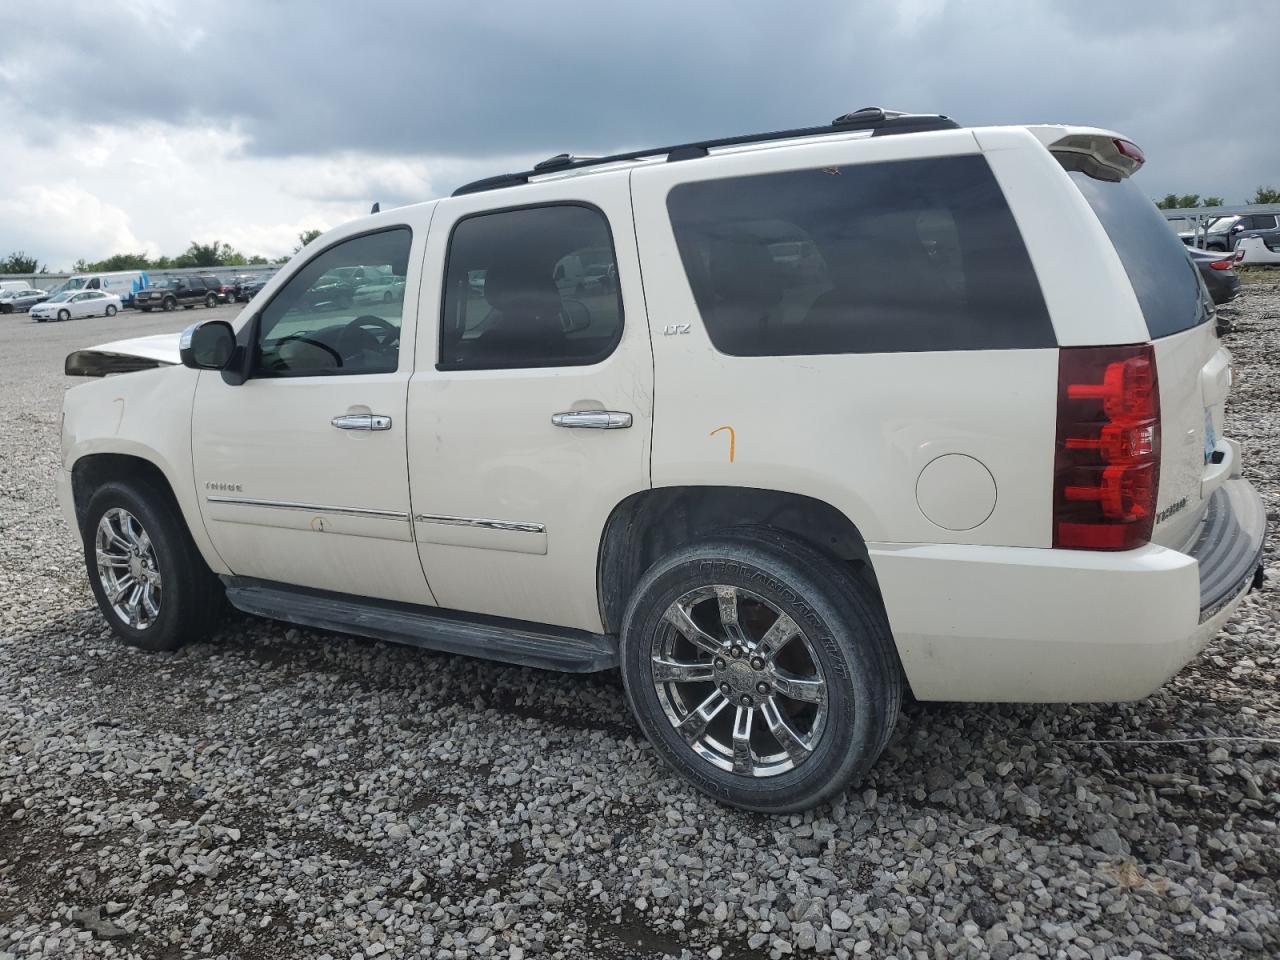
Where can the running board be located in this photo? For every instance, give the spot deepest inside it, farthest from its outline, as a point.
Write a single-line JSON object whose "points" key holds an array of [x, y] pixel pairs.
{"points": [[448, 631]]}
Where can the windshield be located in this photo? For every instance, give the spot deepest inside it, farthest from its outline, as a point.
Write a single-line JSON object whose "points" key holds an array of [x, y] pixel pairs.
{"points": [[1222, 224], [1166, 282]]}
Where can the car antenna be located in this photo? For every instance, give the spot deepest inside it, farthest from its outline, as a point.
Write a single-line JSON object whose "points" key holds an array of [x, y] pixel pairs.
{"points": [[376, 207]]}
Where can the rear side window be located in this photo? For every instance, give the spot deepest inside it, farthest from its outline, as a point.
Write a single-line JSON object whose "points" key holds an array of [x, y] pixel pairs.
{"points": [[1164, 279], [530, 287], [912, 255]]}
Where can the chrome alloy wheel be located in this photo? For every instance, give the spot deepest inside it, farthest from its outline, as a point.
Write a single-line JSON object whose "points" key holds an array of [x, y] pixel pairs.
{"points": [[127, 568], [739, 681]]}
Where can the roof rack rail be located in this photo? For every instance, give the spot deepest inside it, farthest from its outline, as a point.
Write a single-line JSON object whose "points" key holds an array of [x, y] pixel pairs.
{"points": [[879, 121]]}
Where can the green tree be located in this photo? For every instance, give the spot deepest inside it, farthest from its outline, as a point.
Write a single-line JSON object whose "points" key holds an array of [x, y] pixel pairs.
{"points": [[1266, 195], [1211, 202], [201, 255], [19, 262], [305, 237], [117, 261]]}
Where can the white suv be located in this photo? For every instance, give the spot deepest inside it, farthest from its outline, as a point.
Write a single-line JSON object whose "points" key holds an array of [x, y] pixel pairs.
{"points": [[843, 410]]}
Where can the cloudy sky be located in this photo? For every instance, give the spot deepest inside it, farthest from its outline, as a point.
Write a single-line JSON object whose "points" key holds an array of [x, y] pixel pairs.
{"points": [[140, 125]]}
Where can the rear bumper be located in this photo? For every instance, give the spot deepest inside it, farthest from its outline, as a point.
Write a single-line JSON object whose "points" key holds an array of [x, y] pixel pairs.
{"points": [[1020, 624]]}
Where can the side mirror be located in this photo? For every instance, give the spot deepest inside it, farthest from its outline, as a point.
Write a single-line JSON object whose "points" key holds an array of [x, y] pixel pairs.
{"points": [[1238, 228], [207, 345]]}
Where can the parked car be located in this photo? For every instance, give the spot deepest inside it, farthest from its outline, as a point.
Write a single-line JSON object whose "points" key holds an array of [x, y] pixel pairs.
{"points": [[226, 290], [1254, 251], [248, 287], [332, 291], [14, 286], [1217, 270], [70, 305], [16, 301], [185, 292], [767, 495], [381, 289], [1224, 233]]}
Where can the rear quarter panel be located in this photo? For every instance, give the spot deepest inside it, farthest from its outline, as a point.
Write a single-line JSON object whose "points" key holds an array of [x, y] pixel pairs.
{"points": [[853, 430]]}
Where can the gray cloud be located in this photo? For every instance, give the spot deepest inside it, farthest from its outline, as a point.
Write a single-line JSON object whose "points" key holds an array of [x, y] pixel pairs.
{"points": [[481, 80]]}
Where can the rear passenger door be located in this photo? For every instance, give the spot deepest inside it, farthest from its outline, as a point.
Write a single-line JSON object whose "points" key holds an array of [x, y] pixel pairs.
{"points": [[530, 407]]}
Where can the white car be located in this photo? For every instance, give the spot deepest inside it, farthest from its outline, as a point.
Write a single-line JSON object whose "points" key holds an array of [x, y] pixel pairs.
{"points": [[1252, 251], [70, 305], [880, 405]]}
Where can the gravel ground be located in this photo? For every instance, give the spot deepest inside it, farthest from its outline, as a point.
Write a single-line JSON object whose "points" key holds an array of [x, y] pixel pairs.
{"points": [[281, 793]]}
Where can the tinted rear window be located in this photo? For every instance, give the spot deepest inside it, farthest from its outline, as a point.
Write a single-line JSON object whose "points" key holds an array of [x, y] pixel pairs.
{"points": [[1163, 276], [911, 255]]}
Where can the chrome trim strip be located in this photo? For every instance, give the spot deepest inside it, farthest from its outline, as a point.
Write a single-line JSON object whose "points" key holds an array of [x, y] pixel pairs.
{"points": [[518, 526], [310, 507]]}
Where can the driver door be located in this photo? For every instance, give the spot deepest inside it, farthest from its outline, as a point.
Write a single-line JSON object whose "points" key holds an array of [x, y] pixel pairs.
{"points": [[301, 470]]}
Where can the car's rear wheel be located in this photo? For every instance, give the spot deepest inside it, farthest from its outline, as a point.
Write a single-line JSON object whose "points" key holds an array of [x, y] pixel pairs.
{"points": [[761, 670], [111, 309], [147, 576], [64, 314], [211, 301]]}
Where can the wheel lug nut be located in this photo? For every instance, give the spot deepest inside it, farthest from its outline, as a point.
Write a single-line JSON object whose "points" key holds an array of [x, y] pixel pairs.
{"points": [[725, 689], [720, 664], [757, 663], [762, 687], [736, 652], [745, 700]]}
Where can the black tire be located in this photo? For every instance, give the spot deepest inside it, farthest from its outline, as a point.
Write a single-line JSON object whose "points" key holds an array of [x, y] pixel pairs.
{"points": [[191, 596], [145, 309], [1220, 248], [845, 635], [64, 314], [6, 308], [211, 301], [111, 309], [169, 304]]}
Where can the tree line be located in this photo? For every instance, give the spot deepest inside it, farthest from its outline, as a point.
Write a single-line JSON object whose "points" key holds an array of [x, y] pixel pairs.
{"points": [[215, 254], [1173, 201]]}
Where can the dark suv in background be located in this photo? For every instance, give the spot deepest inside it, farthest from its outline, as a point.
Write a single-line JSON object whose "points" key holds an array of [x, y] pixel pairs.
{"points": [[179, 291], [1225, 232]]}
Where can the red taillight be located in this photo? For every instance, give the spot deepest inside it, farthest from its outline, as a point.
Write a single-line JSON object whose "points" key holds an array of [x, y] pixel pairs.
{"points": [[1131, 150], [1222, 265], [1107, 462]]}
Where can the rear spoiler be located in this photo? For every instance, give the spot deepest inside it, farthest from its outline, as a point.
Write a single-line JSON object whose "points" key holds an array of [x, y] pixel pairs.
{"points": [[1103, 156]]}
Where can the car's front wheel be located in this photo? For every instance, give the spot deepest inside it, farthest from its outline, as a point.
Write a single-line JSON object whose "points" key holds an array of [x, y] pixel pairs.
{"points": [[64, 314], [170, 303], [761, 670], [147, 576]]}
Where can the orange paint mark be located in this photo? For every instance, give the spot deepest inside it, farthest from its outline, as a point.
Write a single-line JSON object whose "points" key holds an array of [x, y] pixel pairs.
{"points": [[732, 439]]}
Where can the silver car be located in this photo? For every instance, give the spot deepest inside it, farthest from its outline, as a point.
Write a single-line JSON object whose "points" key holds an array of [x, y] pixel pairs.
{"points": [[19, 301]]}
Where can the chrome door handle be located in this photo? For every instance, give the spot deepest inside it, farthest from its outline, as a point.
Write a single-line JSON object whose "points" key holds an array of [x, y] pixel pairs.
{"points": [[593, 419], [361, 421]]}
